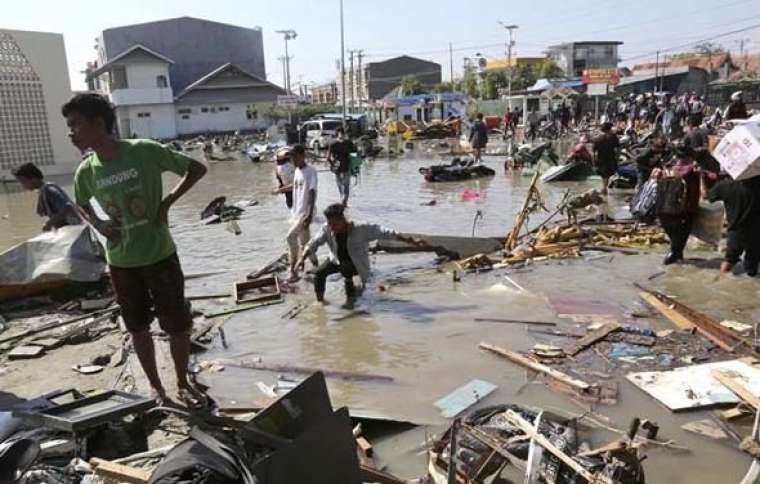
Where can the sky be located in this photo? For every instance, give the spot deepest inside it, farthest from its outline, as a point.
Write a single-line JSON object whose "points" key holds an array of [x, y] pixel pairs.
{"points": [[423, 28]]}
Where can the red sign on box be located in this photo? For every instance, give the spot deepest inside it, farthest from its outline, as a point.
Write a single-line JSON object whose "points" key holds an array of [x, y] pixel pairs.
{"points": [[601, 76]]}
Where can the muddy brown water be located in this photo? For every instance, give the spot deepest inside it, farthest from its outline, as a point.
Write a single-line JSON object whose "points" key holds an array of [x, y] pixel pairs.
{"points": [[420, 330]]}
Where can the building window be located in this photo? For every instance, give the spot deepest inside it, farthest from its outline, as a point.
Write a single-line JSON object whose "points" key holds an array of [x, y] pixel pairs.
{"points": [[184, 111], [143, 115], [609, 51], [204, 110], [161, 81], [223, 108], [213, 109], [185, 116]]}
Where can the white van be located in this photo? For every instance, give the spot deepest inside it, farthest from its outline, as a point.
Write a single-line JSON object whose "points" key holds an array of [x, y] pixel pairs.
{"points": [[319, 133]]}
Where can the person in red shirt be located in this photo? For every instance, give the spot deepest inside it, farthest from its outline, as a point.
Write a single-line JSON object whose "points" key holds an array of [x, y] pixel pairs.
{"points": [[507, 121], [678, 226], [580, 152]]}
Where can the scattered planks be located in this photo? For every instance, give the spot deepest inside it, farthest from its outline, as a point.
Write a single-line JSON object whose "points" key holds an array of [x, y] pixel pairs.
{"points": [[513, 235], [535, 366], [539, 439], [58, 324], [591, 338], [686, 318]]}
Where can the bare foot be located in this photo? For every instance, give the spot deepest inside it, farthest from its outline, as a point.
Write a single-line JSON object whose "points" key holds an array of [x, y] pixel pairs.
{"points": [[191, 397], [159, 395]]}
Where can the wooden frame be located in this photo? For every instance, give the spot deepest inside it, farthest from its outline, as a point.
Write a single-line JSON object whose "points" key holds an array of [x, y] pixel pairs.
{"points": [[240, 290]]}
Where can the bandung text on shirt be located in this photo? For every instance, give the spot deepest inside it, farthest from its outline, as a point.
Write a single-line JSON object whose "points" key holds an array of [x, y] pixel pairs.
{"points": [[116, 178]]}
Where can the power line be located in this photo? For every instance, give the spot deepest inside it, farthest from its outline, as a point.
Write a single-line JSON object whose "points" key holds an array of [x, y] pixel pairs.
{"points": [[707, 39]]}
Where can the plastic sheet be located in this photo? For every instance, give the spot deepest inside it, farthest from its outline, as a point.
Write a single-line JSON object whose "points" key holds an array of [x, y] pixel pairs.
{"points": [[69, 253]]}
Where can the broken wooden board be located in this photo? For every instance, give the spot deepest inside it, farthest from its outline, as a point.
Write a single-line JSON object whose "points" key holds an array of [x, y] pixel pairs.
{"points": [[737, 384], [47, 343], [673, 316], [447, 246], [535, 366], [119, 472], [692, 387], [464, 397], [26, 352], [591, 338], [706, 428], [257, 290]]}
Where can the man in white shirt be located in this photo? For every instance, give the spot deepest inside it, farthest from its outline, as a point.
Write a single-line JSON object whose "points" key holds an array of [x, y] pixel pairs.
{"points": [[304, 189]]}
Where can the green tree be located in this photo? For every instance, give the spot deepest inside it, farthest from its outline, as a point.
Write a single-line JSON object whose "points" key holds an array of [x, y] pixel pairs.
{"points": [[410, 85], [702, 49], [469, 82], [523, 78], [491, 83], [445, 87], [549, 69]]}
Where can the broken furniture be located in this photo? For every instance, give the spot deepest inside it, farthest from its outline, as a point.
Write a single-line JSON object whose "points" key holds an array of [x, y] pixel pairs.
{"points": [[88, 412], [249, 292]]}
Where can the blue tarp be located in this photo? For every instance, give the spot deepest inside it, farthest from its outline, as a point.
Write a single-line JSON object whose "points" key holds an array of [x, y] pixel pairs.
{"points": [[445, 97]]}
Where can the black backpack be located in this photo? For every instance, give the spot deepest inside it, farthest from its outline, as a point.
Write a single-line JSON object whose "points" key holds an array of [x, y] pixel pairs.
{"points": [[671, 196], [202, 459]]}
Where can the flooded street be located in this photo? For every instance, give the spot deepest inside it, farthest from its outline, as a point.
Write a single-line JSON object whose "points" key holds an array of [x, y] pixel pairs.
{"points": [[419, 327]]}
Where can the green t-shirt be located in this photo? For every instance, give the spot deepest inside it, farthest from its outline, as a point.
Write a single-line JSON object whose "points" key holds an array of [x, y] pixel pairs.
{"points": [[129, 189]]}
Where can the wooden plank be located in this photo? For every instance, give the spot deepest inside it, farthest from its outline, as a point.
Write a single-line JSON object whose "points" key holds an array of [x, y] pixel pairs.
{"points": [[514, 321], [528, 429], [364, 446], [591, 338], [731, 380], [343, 375], [119, 472], [616, 445], [464, 397], [674, 316], [535, 366], [58, 324], [26, 352], [706, 428]]}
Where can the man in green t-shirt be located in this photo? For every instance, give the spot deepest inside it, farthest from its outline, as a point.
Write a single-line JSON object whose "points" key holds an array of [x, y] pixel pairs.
{"points": [[124, 178]]}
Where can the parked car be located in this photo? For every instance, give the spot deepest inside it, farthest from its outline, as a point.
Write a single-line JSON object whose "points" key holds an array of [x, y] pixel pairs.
{"points": [[317, 134]]}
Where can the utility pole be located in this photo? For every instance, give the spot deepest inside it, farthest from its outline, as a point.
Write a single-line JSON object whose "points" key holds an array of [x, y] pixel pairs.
{"points": [[351, 74], [741, 43], [284, 72], [360, 82], [289, 34], [656, 70], [510, 70], [342, 65], [451, 63]]}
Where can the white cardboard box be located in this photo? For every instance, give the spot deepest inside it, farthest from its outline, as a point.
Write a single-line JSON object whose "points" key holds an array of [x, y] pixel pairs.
{"points": [[739, 151]]}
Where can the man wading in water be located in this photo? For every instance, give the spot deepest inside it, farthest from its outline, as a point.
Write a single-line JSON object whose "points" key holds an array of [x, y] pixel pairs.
{"points": [[349, 251], [124, 177]]}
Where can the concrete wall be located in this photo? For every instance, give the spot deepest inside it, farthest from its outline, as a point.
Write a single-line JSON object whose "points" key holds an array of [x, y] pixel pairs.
{"points": [[47, 55], [160, 124], [196, 46], [144, 74], [216, 118]]}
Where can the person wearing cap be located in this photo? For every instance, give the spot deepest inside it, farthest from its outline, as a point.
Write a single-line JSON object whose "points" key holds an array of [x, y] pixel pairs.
{"points": [[284, 173], [348, 242], [678, 226], [605, 147]]}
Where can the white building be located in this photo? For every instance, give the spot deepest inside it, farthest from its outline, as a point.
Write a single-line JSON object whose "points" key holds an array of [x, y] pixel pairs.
{"points": [[34, 84], [182, 76], [137, 83]]}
